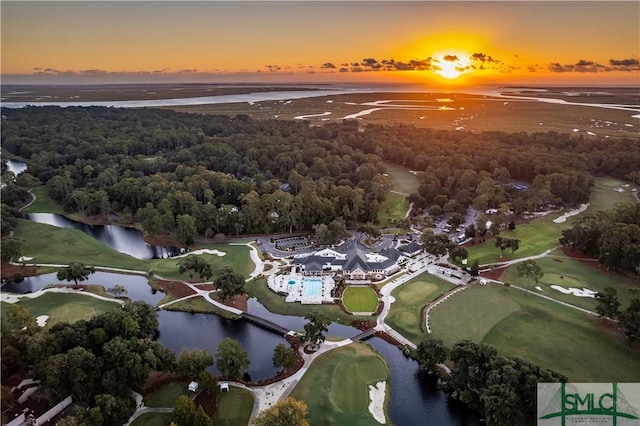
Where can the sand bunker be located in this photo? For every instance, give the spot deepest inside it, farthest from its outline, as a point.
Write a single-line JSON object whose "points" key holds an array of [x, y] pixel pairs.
{"points": [[302, 117], [584, 292], [42, 320], [538, 288], [376, 403], [574, 212], [25, 259], [202, 251]]}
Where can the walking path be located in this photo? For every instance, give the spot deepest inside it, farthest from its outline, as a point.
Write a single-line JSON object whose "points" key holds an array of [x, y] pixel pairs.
{"points": [[522, 259], [436, 303]]}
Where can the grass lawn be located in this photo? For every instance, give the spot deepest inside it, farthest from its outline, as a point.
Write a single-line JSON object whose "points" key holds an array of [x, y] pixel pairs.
{"points": [[49, 244], [553, 336], [542, 234], [360, 299], [405, 314], [43, 204], [66, 307], [393, 209], [336, 386], [153, 419], [166, 395], [535, 237], [234, 407], [198, 304], [566, 272], [401, 180], [276, 304]]}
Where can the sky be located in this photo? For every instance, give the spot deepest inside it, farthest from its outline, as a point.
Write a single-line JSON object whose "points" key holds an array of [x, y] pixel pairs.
{"points": [[454, 43]]}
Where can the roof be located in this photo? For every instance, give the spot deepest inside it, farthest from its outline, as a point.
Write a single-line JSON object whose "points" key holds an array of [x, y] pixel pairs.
{"points": [[412, 247]]}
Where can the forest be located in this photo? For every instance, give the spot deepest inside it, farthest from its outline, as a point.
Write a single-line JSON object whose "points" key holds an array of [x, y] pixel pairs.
{"points": [[187, 175]]}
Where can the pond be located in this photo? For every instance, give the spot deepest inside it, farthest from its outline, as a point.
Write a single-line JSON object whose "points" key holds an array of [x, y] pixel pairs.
{"points": [[125, 240], [16, 166], [414, 397]]}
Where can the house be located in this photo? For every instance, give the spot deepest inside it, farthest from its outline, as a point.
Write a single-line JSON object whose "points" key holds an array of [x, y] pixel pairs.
{"points": [[354, 262]]}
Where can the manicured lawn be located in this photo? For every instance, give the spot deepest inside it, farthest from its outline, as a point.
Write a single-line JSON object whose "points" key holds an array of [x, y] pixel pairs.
{"points": [[49, 244], [542, 234], [553, 336], [566, 272], [535, 237], [153, 419], [65, 307], [276, 304], [360, 299], [336, 386], [236, 256], [401, 179], [43, 204], [198, 304], [405, 315], [234, 407], [167, 395], [603, 196], [393, 209]]}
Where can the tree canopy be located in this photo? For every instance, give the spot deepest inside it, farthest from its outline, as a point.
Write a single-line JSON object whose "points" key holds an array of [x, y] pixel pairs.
{"points": [[76, 271]]}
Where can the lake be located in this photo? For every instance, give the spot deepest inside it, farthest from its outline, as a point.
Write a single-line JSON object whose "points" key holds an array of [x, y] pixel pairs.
{"points": [[125, 240]]}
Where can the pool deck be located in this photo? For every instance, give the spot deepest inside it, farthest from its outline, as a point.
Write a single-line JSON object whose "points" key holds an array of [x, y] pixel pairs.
{"points": [[296, 292]]}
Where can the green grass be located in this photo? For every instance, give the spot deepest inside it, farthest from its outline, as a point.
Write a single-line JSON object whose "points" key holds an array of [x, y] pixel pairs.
{"points": [[65, 307], [43, 204], [234, 407], [394, 208], [199, 304], [336, 385], [542, 234], [566, 272], [166, 395], [50, 244], [603, 196], [360, 299], [153, 419], [553, 336], [405, 314], [276, 304], [401, 180], [535, 238]]}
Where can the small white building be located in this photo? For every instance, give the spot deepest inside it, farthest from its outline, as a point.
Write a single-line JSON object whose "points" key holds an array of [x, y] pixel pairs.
{"points": [[193, 386]]}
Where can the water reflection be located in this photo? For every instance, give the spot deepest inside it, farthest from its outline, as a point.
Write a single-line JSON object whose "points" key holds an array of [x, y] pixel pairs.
{"points": [[16, 166], [182, 331], [125, 240], [137, 286]]}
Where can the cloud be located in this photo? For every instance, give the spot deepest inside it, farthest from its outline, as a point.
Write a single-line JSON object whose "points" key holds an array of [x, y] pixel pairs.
{"points": [[624, 62], [483, 57], [588, 66], [451, 58], [328, 66]]}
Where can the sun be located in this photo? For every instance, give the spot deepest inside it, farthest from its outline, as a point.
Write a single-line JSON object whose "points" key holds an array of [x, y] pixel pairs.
{"points": [[449, 70], [452, 65]]}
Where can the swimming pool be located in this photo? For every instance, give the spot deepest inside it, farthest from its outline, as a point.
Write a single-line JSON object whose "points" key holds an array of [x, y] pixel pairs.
{"points": [[312, 287]]}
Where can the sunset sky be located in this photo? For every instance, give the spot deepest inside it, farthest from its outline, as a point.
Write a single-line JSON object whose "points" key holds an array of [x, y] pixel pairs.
{"points": [[328, 41]]}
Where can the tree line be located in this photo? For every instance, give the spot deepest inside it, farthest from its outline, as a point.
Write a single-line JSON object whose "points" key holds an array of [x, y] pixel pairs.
{"points": [[188, 175]]}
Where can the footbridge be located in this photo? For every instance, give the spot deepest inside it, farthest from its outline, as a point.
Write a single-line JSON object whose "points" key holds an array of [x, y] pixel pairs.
{"points": [[364, 335], [265, 323]]}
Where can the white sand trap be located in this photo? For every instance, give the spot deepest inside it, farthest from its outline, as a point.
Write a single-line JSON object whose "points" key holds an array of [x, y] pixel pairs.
{"points": [[25, 259], [538, 288], [202, 251], [42, 320], [376, 403], [574, 212], [584, 292]]}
